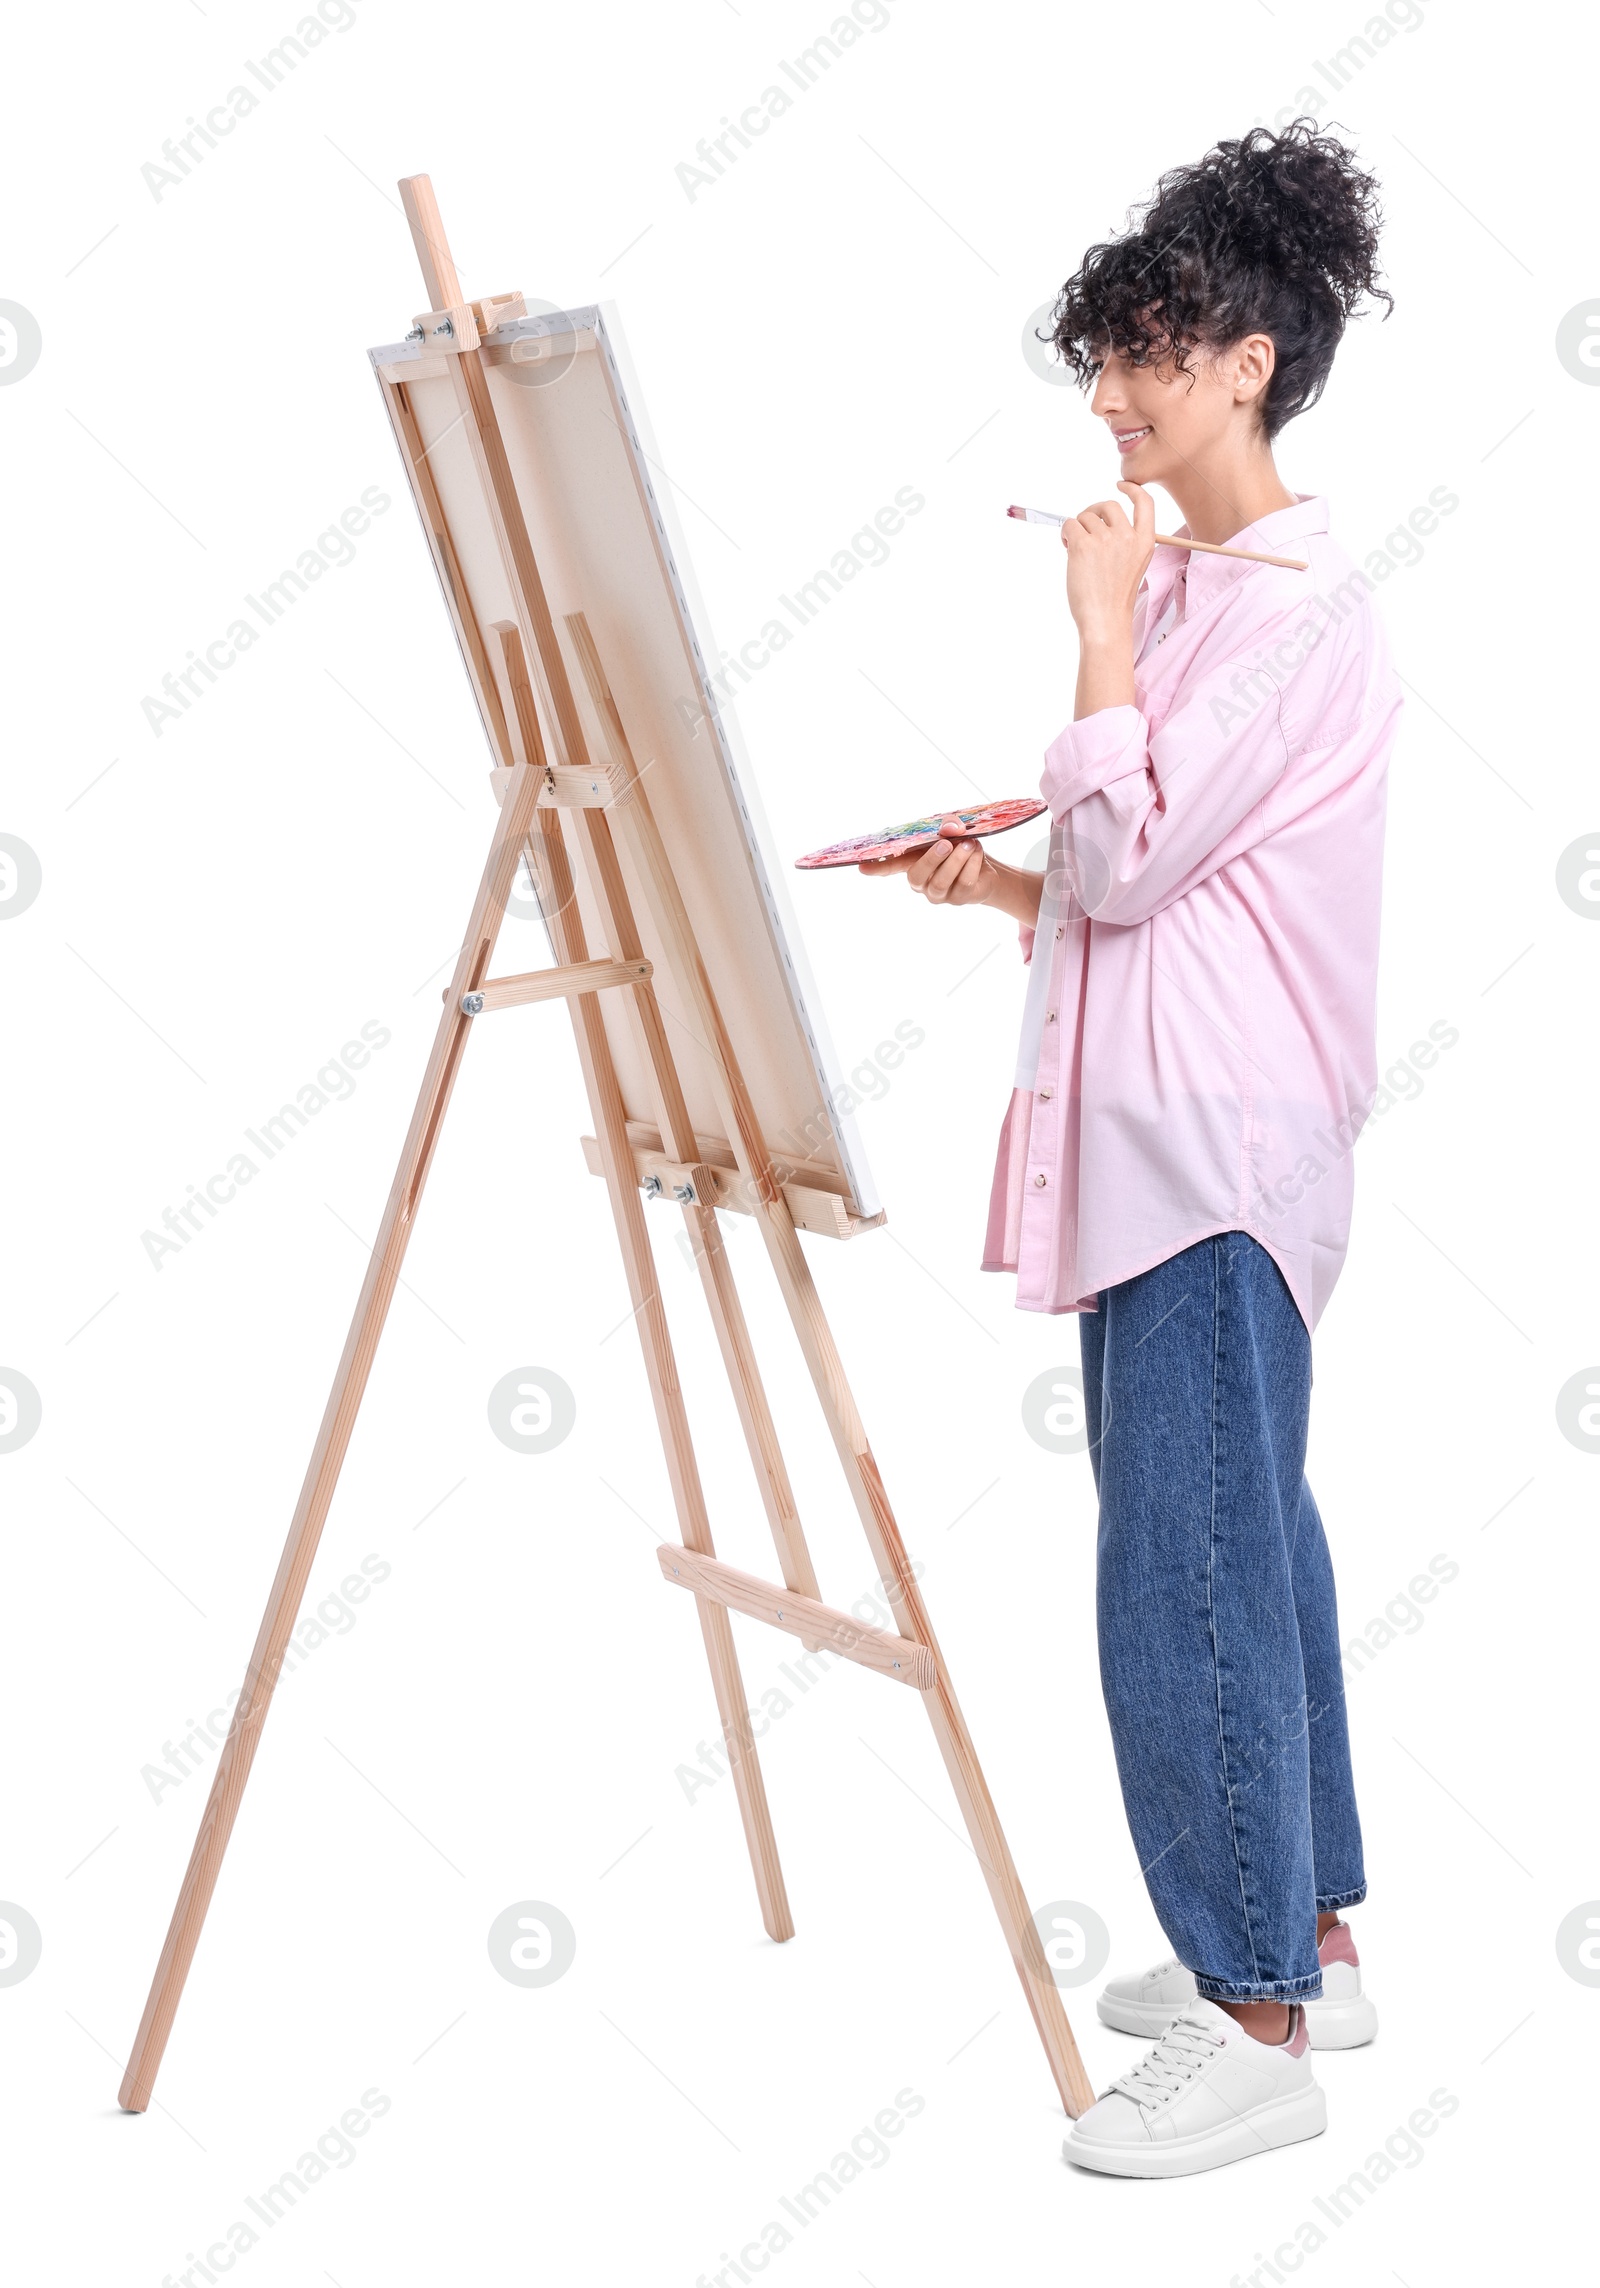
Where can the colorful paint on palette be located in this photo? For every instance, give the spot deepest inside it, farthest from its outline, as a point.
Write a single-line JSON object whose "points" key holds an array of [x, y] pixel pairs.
{"points": [[921, 833]]}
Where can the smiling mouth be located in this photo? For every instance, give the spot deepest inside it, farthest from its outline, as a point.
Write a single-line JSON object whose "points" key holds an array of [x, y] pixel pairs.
{"points": [[1129, 439]]}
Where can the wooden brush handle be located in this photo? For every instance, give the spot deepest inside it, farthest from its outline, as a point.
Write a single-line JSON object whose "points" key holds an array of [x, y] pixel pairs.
{"points": [[1248, 555]]}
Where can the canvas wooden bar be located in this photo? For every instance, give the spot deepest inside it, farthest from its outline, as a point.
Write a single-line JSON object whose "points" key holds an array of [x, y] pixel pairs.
{"points": [[707, 1070]]}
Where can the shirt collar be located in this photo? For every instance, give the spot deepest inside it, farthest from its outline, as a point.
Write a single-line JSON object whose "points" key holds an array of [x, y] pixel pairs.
{"points": [[1209, 575]]}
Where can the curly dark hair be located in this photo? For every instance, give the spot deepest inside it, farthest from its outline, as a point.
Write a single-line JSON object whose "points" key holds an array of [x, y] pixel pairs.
{"points": [[1273, 233]]}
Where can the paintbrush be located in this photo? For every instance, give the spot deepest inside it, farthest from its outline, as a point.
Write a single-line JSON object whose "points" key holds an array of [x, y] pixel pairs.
{"points": [[1175, 540]]}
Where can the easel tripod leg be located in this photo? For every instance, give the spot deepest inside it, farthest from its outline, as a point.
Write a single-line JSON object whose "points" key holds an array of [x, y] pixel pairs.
{"points": [[861, 1472], [688, 1496], [548, 857], [989, 1844], [327, 1457]]}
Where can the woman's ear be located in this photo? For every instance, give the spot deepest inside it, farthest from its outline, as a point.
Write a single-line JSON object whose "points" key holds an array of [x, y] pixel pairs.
{"points": [[1253, 361]]}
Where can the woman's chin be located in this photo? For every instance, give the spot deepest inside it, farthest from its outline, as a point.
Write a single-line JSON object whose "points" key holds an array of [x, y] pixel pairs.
{"points": [[1160, 477]]}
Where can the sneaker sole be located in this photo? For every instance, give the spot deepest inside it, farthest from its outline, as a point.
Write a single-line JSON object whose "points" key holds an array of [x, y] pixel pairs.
{"points": [[1329, 2025], [1286, 2121]]}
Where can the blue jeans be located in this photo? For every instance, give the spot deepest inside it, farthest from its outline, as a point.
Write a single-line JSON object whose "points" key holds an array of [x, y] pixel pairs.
{"points": [[1219, 1640]]}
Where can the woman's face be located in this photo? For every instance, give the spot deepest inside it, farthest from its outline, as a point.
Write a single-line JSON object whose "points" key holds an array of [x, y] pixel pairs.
{"points": [[1164, 420]]}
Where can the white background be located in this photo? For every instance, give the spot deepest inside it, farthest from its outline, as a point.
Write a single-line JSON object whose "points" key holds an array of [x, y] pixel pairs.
{"points": [[838, 316]]}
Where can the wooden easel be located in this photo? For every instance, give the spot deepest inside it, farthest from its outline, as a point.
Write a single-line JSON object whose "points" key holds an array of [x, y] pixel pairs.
{"points": [[541, 776]]}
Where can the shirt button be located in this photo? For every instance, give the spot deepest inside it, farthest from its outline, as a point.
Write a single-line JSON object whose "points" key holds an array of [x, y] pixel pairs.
{"points": [[1045, 1095], [1061, 929], [1038, 1179], [1049, 1016]]}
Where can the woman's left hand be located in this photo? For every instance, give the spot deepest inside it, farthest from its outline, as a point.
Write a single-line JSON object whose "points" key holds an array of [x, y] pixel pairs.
{"points": [[1106, 560]]}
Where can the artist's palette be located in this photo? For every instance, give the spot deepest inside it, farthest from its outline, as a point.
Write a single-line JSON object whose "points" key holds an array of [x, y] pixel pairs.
{"points": [[921, 833]]}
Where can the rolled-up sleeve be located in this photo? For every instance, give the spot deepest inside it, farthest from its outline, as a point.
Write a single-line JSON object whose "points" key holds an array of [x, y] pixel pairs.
{"points": [[1090, 753], [1147, 817]]}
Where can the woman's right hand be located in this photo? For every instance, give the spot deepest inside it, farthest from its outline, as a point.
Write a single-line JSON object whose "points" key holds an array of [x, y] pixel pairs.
{"points": [[960, 874], [946, 873]]}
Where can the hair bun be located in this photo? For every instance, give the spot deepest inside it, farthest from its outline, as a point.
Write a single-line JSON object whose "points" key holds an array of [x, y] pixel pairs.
{"points": [[1301, 208]]}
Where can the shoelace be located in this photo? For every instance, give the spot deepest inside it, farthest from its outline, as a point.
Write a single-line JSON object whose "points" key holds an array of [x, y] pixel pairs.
{"points": [[1162, 1969], [1182, 2052]]}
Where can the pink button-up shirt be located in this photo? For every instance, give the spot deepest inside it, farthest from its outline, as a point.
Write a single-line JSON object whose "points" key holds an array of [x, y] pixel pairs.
{"points": [[1202, 1054]]}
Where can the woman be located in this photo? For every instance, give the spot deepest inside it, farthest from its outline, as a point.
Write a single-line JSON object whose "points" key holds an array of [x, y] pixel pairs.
{"points": [[1197, 1057]]}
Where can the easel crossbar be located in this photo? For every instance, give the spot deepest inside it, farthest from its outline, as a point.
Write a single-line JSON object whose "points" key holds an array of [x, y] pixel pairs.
{"points": [[550, 984], [824, 1626]]}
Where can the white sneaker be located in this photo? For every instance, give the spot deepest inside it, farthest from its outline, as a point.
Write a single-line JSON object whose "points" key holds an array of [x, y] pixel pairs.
{"points": [[1342, 2019], [1208, 2093]]}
